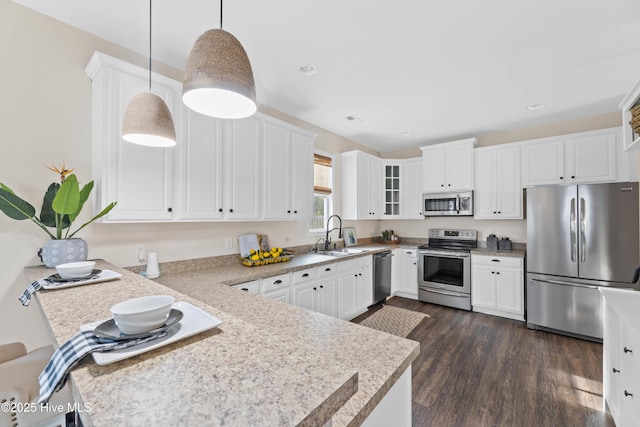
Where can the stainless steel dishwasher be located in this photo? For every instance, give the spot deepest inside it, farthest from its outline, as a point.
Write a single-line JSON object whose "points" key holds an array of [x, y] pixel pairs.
{"points": [[381, 276]]}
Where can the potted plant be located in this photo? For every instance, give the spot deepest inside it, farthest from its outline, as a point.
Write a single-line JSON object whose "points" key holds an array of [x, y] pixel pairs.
{"points": [[61, 206]]}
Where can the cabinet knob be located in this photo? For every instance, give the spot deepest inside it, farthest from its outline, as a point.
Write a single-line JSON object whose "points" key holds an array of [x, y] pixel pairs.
{"points": [[355, 275], [245, 289], [315, 289], [497, 272], [415, 263], [295, 212], [321, 286], [441, 185], [561, 177], [494, 212], [170, 210], [220, 210], [499, 212], [493, 272], [288, 211], [230, 210], [359, 274], [627, 350], [616, 370], [627, 394], [573, 176], [449, 185], [277, 282], [495, 260], [305, 275], [327, 269]]}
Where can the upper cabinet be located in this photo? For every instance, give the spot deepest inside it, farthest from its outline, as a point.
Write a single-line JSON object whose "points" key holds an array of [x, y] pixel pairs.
{"points": [[361, 185], [498, 193], [246, 169], [585, 157], [411, 188], [448, 166]]}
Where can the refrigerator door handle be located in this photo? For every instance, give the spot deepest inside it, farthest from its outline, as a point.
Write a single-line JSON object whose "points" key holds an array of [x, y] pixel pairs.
{"points": [[583, 231], [572, 230], [558, 282]]}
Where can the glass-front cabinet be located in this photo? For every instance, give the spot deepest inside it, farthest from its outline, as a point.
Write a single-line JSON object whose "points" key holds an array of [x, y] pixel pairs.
{"points": [[392, 190]]}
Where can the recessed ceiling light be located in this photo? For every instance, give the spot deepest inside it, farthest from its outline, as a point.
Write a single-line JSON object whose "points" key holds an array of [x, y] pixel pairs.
{"points": [[308, 70], [406, 133], [353, 119], [534, 107]]}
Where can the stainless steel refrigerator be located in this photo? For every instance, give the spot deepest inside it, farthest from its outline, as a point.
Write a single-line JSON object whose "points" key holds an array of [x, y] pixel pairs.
{"points": [[579, 237]]}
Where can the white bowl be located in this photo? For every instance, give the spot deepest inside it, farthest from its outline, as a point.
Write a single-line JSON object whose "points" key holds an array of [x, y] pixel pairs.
{"points": [[140, 315], [74, 270]]}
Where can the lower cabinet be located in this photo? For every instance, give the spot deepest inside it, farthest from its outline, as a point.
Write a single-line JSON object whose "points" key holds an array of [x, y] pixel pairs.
{"points": [[497, 286], [278, 288], [355, 286], [405, 277], [252, 287], [621, 357]]}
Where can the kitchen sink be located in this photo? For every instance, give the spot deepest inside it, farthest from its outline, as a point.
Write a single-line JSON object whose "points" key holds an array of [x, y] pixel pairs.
{"points": [[341, 252]]}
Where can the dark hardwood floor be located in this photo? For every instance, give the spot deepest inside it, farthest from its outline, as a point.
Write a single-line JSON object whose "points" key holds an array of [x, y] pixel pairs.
{"points": [[480, 370]]}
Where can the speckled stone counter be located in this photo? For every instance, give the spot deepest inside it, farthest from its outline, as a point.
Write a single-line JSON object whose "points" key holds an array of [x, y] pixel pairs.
{"points": [[514, 253], [267, 364]]}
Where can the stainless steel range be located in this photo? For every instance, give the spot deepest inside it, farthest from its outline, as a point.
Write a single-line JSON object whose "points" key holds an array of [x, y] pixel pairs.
{"points": [[444, 268]]}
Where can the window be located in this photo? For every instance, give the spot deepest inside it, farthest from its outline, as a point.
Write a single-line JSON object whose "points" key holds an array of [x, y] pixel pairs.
{"points": [[322, 192]]}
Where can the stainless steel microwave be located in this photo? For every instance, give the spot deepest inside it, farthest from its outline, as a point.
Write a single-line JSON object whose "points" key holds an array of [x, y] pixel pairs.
{"points": [[448, 204]]}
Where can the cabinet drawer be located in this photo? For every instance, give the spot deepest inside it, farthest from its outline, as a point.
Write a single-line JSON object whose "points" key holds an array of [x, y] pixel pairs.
{"points": [[327, 270], [276, 282], [251, 287], [304, 275], [497, 261], [351, 264], [410, 253]]}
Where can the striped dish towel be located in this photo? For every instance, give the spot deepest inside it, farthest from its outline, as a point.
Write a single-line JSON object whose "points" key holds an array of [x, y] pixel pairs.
{"points": [[56, 372], [25, 298]]}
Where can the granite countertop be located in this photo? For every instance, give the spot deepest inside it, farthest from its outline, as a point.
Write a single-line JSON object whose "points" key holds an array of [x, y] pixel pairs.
{"points": [[514, 253], [268, 363]]}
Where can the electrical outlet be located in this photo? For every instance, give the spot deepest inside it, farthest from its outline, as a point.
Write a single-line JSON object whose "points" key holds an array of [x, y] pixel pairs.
{"points": [[228, 243], [141, 253]]}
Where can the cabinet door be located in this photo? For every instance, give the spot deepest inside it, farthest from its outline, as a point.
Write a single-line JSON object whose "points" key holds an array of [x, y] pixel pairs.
{"points": [[365, 282], [484, 196], [611, 363], [508, 188], [363, 187], [391, 193], [409, 268], [411, 189], [276, 180], [243, 162], [139, 178], [347, 294], [591, 158], [282, 295], [459, 167], [543, 163], [509, 290], [433, 169], [305, 295], [200, 168], [252, 287], [483, 288], [328, 296], [302, 176], [375, 188]]}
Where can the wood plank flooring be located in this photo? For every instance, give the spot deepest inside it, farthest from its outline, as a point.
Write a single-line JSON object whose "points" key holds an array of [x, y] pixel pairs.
{"points": [[480, 370]]}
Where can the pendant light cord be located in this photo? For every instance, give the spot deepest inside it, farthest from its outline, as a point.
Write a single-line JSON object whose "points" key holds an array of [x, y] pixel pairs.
{"points": [[150, 8], [220, 14]]}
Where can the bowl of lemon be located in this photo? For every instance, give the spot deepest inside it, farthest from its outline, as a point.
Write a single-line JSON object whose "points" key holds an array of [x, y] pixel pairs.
{"points": [[257, 257]]}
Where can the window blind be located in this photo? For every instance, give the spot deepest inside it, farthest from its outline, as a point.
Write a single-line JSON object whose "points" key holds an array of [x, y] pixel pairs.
{"points": [[321, 174]]}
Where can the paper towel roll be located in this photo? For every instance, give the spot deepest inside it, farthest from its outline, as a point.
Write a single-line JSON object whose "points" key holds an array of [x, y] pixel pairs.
{"points": [[153, 270]]}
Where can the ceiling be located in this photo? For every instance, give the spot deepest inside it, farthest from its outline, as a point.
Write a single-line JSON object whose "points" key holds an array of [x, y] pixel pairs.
{"points": [[411, 72]]}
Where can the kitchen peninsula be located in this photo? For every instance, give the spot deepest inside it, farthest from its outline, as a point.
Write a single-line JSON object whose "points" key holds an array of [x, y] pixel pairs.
{"points": [[267, 364]]}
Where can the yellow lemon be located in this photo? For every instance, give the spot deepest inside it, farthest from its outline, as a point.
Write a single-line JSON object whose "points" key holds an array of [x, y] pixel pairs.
{"points": [[252, 251], [255, 257]]}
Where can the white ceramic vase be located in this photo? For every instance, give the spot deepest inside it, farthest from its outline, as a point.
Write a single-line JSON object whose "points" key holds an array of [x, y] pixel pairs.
{"points": [[56, 252]]}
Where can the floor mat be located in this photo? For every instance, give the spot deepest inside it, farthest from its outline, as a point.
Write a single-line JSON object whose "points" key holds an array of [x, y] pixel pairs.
{"points": [[394, 320]]}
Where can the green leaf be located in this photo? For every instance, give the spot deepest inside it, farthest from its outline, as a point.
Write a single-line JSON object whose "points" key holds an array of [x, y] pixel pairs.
{"points": [[67, 198], [84, 196], [5, 188], [14, 207], [100, 215], [47, 214]]}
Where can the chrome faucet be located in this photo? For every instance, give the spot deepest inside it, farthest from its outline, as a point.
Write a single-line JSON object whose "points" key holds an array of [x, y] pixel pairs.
{"points": [[315, 247], [327, 239]]}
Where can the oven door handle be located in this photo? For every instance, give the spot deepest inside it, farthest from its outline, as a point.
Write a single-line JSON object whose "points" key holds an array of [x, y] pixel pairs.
{"points": [[451, 294], [445, 254]]}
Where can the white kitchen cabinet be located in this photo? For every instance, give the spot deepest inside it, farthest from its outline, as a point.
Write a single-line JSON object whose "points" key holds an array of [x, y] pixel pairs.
{"points": [[348, 289], [621, 356], [406, 274], [361, 185], [585, 157], [365, 283], [411, 189], [498, 193], [316, 289], [497, 286], [448, 166], [391, 190], [252, 287], [630, 139], [327, 295], [139, 178], [288, 173]]}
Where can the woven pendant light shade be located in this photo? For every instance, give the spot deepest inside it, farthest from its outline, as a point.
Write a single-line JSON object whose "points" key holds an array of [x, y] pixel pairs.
{"points": [[218, 79], [148, 121]]}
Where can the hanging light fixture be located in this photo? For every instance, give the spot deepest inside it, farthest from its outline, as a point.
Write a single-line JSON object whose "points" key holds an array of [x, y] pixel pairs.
{"points": [[147, 120], [218, 80]]}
